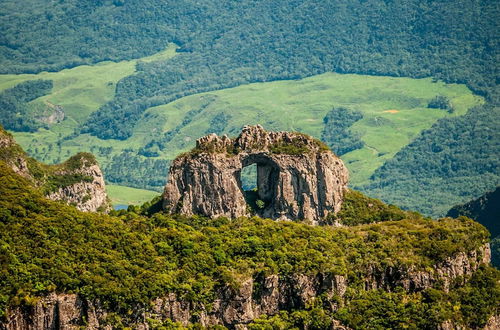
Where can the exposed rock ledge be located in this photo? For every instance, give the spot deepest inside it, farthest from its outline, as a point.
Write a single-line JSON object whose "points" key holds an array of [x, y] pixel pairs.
{"points": [[236, 307], [85, 195], [79, 181], [297, 177]]}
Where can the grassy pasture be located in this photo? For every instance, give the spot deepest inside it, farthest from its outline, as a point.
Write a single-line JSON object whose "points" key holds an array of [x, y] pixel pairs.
{"points": [[127, 195], [394, 109]]}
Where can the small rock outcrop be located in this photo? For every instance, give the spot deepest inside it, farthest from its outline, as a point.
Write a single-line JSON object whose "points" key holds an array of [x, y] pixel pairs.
{"points": [[298, 177], [78, 181], [84, 187]]}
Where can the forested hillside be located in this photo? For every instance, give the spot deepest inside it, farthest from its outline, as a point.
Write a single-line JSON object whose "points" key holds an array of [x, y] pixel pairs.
{"points": [[225, 44], [124, 262], [486, 211]]}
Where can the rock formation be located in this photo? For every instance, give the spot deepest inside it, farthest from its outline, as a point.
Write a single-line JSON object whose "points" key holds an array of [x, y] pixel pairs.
{"points": [[298, 177], [78, 181], [234, 308], [88, 191]]}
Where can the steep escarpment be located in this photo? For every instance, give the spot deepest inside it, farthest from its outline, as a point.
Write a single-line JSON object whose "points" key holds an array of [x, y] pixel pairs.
{"points": [[78, 181], [486, 211], [297, 177]]}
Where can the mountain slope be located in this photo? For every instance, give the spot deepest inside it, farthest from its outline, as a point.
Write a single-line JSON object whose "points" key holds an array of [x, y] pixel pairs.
{"points": [[78, 181], [224, 44], [486, 211]]}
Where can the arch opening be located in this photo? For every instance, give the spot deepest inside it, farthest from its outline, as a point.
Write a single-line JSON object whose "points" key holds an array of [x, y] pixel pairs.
{"points": [[258, 181]]}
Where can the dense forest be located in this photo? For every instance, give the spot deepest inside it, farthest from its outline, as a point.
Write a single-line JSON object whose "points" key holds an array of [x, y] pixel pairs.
{"points": [[225, 44], [486, 211], [127, 259], [336, 133], [456, 157]]}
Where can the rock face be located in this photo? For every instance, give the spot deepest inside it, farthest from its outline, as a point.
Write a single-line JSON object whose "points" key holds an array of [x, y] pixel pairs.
{"points": [[297, 177], [87, 194], [78, 181], [236, 307]]}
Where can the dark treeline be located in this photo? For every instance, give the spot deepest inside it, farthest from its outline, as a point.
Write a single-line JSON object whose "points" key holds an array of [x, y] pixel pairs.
{"points": [[454, 160], [129, 169], [336, 133]]}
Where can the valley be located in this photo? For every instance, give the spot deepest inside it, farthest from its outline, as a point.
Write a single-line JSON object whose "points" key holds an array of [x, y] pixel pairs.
{"points": [[394, 111]]}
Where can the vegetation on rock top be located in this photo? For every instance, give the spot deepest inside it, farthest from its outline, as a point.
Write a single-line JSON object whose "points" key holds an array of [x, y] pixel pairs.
{"points": [[128, 259]]}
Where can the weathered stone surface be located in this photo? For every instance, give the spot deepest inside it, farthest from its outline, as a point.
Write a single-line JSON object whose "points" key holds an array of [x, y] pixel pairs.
{"points": [[56, 311], [236, 307], [461, 265], [84, 195], [297, 177]]}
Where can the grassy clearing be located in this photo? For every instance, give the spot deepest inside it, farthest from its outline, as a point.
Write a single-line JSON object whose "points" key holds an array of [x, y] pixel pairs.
{"points": [[83, 89], [129, 196], [394, 109], [301, 105]]}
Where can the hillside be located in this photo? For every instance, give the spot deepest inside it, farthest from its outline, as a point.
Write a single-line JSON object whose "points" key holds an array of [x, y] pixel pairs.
{"points": [[223, 44], [486, 211], [116, 265]]}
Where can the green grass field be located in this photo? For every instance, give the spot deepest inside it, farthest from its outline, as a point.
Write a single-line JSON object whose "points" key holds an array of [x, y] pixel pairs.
{"points": [[121, 195], [83, 89], [394, 109]]}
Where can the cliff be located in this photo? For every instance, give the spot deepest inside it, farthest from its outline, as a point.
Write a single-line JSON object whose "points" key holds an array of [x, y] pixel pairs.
{"points": [[78, 181], [297, 177], [236, 307]]}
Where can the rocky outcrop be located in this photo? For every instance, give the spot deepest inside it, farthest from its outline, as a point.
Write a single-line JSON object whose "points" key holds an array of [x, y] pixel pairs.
{"points": [[236, 307], [88, 193], [460, 266], [232, 308], [297, 177], [78, 181], [13, 155]]}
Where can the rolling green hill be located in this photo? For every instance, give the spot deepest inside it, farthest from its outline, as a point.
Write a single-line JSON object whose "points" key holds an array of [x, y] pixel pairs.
{"points": [[394, 111]]}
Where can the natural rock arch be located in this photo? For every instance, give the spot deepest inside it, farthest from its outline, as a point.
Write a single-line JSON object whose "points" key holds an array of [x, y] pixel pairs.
{"points": [[298, 177]]}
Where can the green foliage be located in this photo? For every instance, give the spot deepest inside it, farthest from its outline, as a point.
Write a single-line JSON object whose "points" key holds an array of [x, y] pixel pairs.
{"points": [[336, 133], [441, 102], [359, 209], [130, 169], [454, 161], [289, 149], [129, 259], [230, 47], [289, 105], [226, 44], [299, 145], [484, 210], [469, 305], [16, 114], [218, 123]]}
